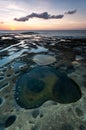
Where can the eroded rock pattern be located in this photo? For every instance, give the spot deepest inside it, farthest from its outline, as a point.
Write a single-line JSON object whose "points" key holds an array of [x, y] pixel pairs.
{"points": [[53, 114]]}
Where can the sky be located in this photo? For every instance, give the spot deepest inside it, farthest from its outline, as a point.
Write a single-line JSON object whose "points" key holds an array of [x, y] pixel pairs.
{"points": [[42, 14]]}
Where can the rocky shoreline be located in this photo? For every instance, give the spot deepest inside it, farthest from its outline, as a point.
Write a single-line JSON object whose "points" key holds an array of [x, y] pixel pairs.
{"points": [[17, 52]]}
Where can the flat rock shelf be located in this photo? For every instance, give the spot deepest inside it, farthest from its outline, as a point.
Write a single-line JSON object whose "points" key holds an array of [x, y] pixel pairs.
{"points": [[42, 81]]}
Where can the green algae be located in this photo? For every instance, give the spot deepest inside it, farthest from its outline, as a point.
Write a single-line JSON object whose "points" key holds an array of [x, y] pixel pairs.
{"points": [[44, 83]]}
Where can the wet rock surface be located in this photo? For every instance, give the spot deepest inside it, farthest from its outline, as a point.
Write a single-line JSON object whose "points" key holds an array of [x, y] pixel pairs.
{"points": [[70, 55]]}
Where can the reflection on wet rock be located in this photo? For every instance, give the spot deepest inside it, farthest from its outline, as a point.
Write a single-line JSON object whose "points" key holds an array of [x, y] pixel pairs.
{"points": [[45, 83], [8, 42]]}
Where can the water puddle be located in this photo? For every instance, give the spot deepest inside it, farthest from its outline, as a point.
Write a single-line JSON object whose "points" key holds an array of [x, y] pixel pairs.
{"points": [[39, 49], [12, 57]]}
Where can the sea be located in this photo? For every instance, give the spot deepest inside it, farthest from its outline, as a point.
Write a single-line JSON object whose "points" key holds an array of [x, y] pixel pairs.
{"points": [[49, 33]]}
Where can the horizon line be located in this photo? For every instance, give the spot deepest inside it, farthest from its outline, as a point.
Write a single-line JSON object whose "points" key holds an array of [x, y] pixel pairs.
{"points": [[41, 29]]}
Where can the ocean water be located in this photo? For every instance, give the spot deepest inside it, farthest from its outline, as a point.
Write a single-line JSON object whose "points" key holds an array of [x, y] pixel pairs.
{"points": [[59, 33]]}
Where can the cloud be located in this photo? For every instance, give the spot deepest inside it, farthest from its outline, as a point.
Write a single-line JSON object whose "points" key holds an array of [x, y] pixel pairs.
{"points": [[1, 22], [71, 12], [43, 15]]}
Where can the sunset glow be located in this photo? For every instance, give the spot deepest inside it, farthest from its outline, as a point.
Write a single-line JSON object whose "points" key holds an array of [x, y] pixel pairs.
{"points": [[48, 15]]}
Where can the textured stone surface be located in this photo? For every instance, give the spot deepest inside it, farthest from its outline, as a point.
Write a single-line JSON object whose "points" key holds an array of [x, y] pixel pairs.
{"points": [[52, 115]]}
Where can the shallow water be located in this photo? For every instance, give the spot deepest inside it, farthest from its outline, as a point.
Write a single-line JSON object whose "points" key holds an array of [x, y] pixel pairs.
{"points": [[15, 51]]}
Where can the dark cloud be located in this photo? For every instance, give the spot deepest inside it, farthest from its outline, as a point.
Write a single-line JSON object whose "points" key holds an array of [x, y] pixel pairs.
{"points": [[71, 12], [43, 15]]}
